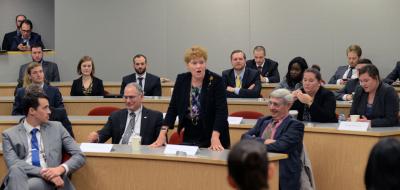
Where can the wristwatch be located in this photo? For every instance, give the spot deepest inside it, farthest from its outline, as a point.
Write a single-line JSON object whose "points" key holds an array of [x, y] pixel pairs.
{"points": [[164, 128]]}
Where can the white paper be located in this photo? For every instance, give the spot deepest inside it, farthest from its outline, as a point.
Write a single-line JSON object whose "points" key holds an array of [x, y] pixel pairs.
{"points": [[354, 126], [189, 150], [235, 120], [96, 147]]}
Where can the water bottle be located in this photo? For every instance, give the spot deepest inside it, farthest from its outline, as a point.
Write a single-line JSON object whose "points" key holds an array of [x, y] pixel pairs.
{"points": [[341, 117]]}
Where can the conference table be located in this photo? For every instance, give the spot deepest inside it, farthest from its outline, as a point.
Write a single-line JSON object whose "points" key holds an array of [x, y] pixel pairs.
{"points": [[150, 168], [338, 157], [81, 105], [113, 87]]}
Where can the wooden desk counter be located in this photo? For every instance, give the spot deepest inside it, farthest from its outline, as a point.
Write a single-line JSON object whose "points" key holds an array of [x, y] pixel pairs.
{"points": [[149, 168], [338, 157], [81, 105]]}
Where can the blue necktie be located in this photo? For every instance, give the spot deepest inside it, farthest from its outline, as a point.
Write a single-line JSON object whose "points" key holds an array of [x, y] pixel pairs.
{"points": [[35, 148]]}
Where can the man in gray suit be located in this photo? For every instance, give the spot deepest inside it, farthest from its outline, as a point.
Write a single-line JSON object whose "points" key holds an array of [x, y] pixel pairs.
{"points": [[345, 73], [50, 69], [33, 149]]}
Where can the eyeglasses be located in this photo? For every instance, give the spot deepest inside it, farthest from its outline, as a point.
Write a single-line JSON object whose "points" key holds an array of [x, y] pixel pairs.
{"points": [[275, 104], [130, 97]]}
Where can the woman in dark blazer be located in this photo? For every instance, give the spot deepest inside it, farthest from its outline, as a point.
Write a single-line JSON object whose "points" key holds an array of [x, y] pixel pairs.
{"points": [[375, 101], [87, 84], [199, 100], [314, 103]]}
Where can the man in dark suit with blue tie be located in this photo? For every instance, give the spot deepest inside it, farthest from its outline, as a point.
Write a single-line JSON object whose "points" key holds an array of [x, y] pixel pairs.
{"points": [[9, 37], [268, 68], [282, 134], [27, 38], [134, 120], [241, 82], [150, 83]]}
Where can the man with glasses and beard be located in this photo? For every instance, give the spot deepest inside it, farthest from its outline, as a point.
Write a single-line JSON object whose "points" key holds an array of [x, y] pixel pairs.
{"points": [[150, 83]]}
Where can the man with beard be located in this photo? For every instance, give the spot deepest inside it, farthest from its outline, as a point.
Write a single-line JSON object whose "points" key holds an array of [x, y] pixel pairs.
{"points": [[150, 83], [27, 38]]}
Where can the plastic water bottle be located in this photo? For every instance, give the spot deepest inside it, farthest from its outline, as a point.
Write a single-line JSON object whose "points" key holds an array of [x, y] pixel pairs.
{"points": [[341, 117]]}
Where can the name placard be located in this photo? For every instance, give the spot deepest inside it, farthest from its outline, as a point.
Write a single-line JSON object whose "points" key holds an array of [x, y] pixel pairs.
{"points": [[174, 149], [354, 126]]}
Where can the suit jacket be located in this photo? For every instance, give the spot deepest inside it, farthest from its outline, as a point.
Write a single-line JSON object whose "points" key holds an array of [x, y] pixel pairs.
{"points": [[323, 107], [394, 75], [55, 140], [149, 130], [97, 87], [269, 70], [50, 71], [250, 77], [385, 108], [338, 74], [7, 40], [152, 86], [60, 115], [213, 110], [54, 95], [349, 88], [289, 140], [35, 39]]}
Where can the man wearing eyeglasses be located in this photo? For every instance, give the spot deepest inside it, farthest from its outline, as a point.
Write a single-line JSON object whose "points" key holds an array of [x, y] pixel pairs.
{"points": [[27, 38], [134, 120], [8, 38], [282, 134]]}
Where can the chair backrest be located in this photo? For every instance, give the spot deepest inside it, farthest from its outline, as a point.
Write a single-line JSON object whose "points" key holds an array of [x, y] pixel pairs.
{"points": [[247, 114], [176, 138], [102, 111]]}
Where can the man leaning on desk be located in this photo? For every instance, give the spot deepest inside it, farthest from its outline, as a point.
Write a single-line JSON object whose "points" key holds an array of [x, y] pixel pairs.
{"points": [[135, 119]]}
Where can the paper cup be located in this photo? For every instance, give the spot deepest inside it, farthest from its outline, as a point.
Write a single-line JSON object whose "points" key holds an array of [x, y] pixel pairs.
{"points": [[354, 118]]}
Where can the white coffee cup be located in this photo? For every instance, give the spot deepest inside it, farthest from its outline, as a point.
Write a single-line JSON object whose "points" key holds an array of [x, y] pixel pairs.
{"points": [[293, 113], [136, 141], [354, 118]]}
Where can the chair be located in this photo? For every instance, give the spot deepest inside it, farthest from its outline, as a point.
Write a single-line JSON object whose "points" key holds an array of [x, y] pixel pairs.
{"points": [[247, 114], [176, 138], [102, 111]]}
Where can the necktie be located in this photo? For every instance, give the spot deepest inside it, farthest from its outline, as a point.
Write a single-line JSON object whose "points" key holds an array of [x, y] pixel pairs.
{"points": [[35, 148], [268, 130], [238, 82], [141, 81], [259, 68], [129, 130], [350, 73]]}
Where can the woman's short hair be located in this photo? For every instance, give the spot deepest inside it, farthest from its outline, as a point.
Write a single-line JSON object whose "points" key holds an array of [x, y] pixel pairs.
{"points": [[27, 81], [195, 52], [372, 71], [84, 59], [315, 72], [248, 165], [383, 168]]}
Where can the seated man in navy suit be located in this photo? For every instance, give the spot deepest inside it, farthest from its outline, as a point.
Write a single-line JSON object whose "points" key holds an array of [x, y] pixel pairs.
{"points": [[268, 68], [150, 83], [346, 93], [345, 73], [394, 75], [9, 37], [241, 82], [135, 119], [27, 38], [282, 134], [34, 76]]}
